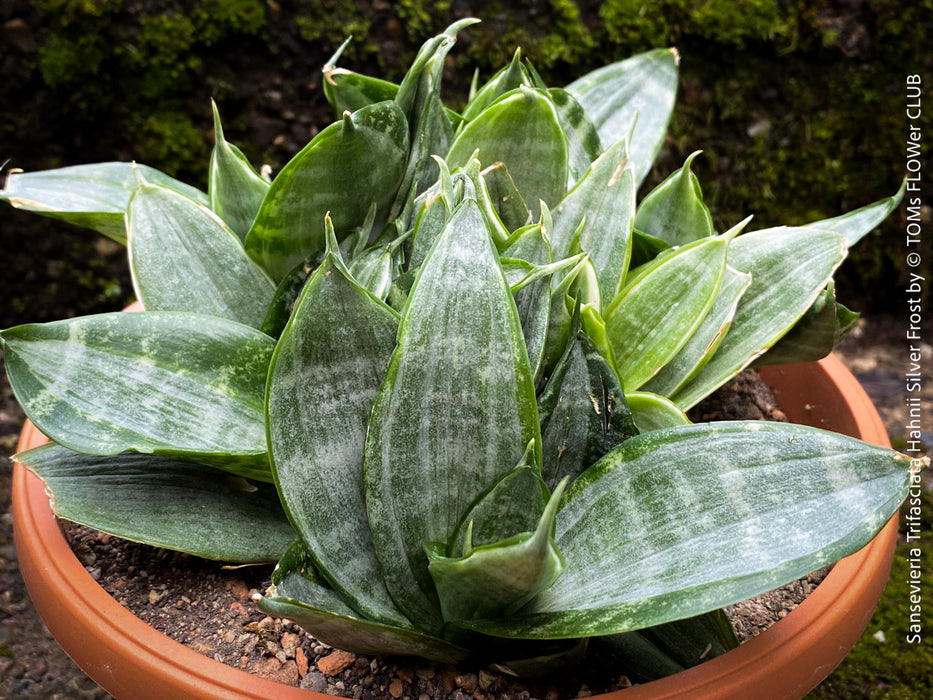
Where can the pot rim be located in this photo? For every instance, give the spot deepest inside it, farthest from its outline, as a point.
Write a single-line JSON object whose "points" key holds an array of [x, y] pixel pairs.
{"points": [[129, 658]]}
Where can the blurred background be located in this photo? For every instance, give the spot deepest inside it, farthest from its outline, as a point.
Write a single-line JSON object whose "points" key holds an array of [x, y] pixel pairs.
{"points": [[798, 107]]}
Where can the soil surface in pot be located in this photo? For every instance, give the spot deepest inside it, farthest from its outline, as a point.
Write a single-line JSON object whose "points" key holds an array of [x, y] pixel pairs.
{"points": [[210, 609]]}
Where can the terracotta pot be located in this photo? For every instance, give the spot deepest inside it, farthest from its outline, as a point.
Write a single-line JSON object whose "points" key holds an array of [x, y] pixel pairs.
{"points": [[132, 660]]}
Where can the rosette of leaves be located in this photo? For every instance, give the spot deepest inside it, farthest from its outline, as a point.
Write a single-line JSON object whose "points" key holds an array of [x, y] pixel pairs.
{"points": [[437, 369]]}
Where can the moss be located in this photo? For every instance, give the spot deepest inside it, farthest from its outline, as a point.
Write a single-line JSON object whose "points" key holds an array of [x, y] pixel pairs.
{"points": [[330, 22], [892, 669], [163, 53], [217, 19], [175, 141]]}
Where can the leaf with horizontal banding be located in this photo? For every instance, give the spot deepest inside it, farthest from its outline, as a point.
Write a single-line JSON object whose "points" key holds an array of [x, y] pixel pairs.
{"points": [[161, 502], [184, 258], [175, 384], [661, 307], [461, 352], [343, 170], [639, 90], [790, 267], [582, 138], [684, 520], [522, 130], [94, 196], [324, 376]]}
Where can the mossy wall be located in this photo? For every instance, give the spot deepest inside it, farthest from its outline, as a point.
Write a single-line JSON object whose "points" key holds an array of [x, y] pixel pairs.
{"points": [[799, 107]]}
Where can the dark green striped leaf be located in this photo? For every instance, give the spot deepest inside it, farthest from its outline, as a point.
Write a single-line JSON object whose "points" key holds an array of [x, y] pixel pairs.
{"points": [[583, 413]]}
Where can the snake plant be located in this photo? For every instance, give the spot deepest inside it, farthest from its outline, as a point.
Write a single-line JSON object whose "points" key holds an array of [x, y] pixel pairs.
{"points": [[438, 369]]}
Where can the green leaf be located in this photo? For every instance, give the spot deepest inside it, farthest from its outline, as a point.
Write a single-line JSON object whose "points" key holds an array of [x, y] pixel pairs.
{"points": [[165, 503], [661, 651], [375, 270], [514, 504], [505, 80], [582, 137], [815, 335], [639, 90], [645, 248], [854, 225], [497, 579], [460, 349], [94, 196], [297, 595], [176, 384], [674, 211], [533, 301], [522, 129], [653, 412], [184, 258], [344, 169], [604, 203], [790, 267], [644, 327], [324, 376], [236, 190], [685, 520], [505, 197], [348, 91], [705, 340], [286, 295], [583, 413]]}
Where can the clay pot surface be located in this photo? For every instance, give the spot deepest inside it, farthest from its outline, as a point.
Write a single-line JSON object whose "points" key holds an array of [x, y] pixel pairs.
{"points": [[133, 661]]}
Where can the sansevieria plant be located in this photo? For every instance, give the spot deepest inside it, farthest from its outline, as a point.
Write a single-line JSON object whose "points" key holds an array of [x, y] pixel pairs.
{"points": [[438, 367]]}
